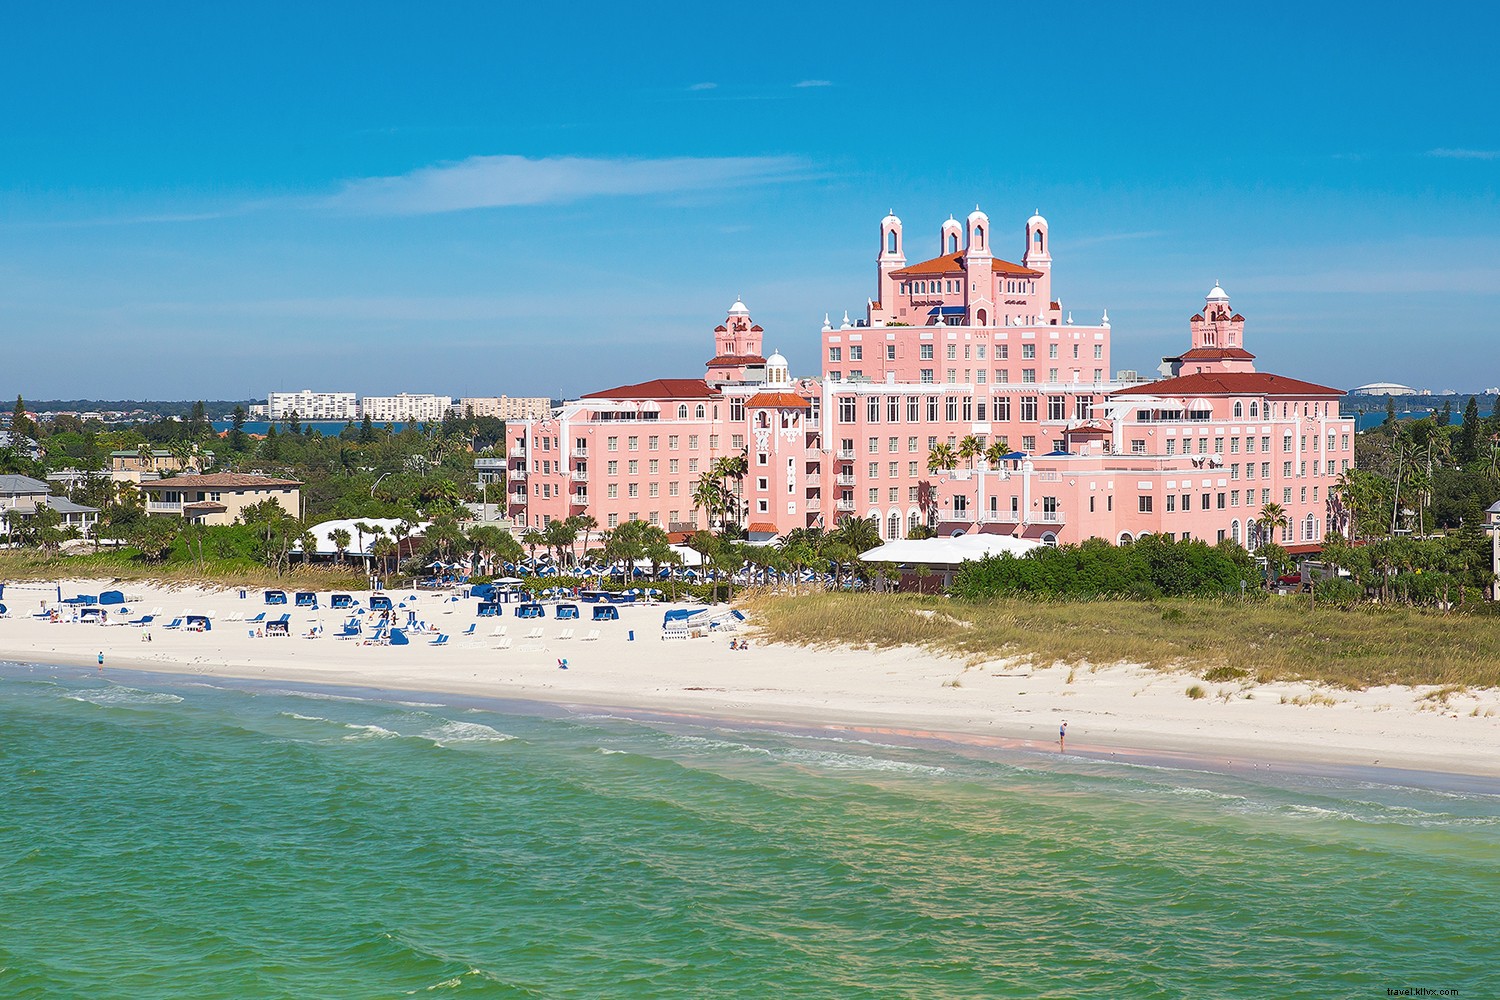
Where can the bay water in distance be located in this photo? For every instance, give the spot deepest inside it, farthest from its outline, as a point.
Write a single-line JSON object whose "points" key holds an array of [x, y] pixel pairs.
{"points": [[166, 836]]}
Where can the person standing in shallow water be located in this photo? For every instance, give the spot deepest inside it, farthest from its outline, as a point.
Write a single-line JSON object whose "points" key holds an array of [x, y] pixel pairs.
{"points": [[1062, 735]]}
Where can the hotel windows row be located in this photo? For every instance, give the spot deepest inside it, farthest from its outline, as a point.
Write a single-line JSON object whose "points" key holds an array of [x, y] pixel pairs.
{"points": [[968, 409]]}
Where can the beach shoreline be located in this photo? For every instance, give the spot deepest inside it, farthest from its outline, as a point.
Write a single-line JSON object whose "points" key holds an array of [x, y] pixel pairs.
{"points": [[1113, 712]]}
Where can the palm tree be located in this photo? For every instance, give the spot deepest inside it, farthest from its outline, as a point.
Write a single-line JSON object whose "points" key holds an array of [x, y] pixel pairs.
{"points": [[531, 539], [942, 458], [1272, 517], [585, 524], [996, 452], [969, 449], [384, 550], [708, 496], [340, 538], [309, 545]]}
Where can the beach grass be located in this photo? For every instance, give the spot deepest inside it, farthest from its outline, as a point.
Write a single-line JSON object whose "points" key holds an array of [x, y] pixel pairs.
{"points": [[18, 565], [1219, 640]]}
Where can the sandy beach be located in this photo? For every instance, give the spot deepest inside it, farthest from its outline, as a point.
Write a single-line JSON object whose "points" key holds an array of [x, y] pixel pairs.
{"points": [[1117, 709]]}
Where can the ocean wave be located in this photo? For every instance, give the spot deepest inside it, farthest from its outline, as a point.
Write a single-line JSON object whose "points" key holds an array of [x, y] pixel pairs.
{"points": [[464, 732], [121, 695], [369, 732]]}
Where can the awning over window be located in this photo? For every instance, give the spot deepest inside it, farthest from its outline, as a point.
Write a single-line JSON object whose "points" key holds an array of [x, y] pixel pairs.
{"points": [[948, 311]]}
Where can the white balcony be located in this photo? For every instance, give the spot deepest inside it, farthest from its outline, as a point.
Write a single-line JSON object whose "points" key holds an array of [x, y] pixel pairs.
{"points": [[519, 472], [580, 476], [843, 505], [1049, 517], [847, 454], [844, 479], [814, 505], [164, 507]]}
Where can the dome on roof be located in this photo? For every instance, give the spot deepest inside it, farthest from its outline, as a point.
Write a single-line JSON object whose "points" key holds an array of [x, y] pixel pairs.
{"points": [[738, 309], [1036, 220], [1217, 294], [776, 360], [977, 214]]}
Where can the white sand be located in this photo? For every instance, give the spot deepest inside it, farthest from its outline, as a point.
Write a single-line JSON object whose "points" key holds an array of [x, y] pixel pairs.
{"points": [[909, 691]]}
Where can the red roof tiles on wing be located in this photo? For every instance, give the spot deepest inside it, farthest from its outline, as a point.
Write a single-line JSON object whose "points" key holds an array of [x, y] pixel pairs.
{"points": [[1207, 353], [1229, 384], [953, 263], [726, 360], [218, 481], [775, 399], [765, 527], [660, 388]]}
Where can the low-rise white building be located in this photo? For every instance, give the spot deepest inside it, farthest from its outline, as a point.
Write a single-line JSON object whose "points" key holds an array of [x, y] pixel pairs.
{"points": [[309, 405], [503, 407], [405, 407]]}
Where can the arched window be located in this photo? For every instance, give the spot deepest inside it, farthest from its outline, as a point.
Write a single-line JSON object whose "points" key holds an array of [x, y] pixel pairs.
{"points": [[1234, 530], [699, 412], [913, 518], [1239, 408], [1049, 538], [982, 318], [890, 241], [978, 237], [1125, 538], [893, 527], [1036, 238], [1254, 408], [953, 243], [682, 412]]}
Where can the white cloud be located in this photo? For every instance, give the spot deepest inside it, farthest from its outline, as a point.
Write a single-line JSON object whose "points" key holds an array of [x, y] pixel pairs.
{"points": [[1465, 154], [498, 181], [814, 83], [704, 86]]}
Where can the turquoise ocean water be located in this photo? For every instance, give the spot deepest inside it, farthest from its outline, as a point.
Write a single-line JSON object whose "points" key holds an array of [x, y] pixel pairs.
{"points": [[166, 837]]}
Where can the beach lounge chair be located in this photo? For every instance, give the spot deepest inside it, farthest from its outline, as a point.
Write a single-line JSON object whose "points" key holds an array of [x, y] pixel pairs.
{"points": [[566, 633], [143, 620], [257, 619], [469, 630], [499, 631], [174, 623], [441, 640], [535, 633], [592, 635], [504, 643]]}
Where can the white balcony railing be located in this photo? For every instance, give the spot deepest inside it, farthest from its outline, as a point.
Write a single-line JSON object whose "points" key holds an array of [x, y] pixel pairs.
{"points": [[844, 479], [519, 472], [844, 505], [847, 454], [164, 507], [1050, 517], [814, 504], [580, 476]]}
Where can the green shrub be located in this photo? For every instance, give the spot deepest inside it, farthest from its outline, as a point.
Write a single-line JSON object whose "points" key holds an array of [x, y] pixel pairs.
{"points": [[1195, 692]]}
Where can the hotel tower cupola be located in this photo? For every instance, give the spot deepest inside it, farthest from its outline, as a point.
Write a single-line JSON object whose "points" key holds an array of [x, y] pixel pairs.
{"points": [[1218, 340], [737, 347]]}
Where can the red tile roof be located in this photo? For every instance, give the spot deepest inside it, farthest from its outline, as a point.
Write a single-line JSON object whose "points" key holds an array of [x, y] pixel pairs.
{"points": [[1207, 353], [1229, 384], [218, 481], [763, 526], [774, 399], [953, 263], [660, 388], [725, 360]]}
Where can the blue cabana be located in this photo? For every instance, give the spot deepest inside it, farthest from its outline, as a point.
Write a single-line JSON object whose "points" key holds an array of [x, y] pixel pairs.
{"points": [[92, 615], [111, 597], [567, 611], [281, 626], [307, 599], [197, 623], [482, 591], [680, 614], [489, 609], [398, 638], [530, 610], [275, 597], [380, 602], [606, 613], [340, 601], [82, 600]]}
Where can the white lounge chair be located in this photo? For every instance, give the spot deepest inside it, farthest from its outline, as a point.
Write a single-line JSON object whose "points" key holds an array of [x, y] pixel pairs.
{"points": [[593, 634], [535, 633], [505, 642], [499, 631], [566, 633]]}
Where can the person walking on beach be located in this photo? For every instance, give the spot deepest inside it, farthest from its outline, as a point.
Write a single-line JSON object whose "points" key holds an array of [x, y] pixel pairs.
{"points": [[1062, 735], [101, 659]]}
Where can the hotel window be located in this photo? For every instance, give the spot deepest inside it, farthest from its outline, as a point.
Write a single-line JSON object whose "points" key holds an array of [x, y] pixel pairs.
{"points": [[925, 353], [980, 354], [835, 377], [1303, 495], [634, 467], [1286, 494], [911, 469], [1098, 374], [1098, 352], [613, 444], [927, 375], [1145, 503], [1002, 408], [895, 469], [835, 354], [653, 443], [1082, 407], [1265, 443], [952, 352], [672, 442], [1250, 445], [762, 483], [613, 468], [1219, 504], [1028, 350], [672, 492], [699, 412], [634, 489], [612, 490], [893, 445], [1052, 351], [932, 409], [1171, 503], [1002, 352], [911, 443], [1286, 469], [874, 470], [614, 521], [713, 442], [980, 375], [1265, 470], [856, 353], [1057, 408], [1052, 375], [952, 376], [1028, 375], [736, 409], [692, 465], [654, 466], [913, 409], [874, 495], [1002, 376], [846, 409], [1171, 450], [893, 409], [950, 408], [633, 443], [981, 416], [672, 465], [1028, 442], [1343, 442], [1234, 471], [872, 409], [1234, 498], [890, 352], [1138, 446], [1286, 442], [737, 442], [655, 489], [1028, 409], [912, 493]]}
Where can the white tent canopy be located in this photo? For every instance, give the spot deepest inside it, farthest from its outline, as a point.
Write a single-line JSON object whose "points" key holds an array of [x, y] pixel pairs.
{"points": [[948, 551], [360, 542]]}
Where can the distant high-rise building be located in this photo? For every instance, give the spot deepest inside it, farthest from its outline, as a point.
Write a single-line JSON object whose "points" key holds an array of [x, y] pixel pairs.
{"points": [[404, 407], [309, 405], [503, 407]]}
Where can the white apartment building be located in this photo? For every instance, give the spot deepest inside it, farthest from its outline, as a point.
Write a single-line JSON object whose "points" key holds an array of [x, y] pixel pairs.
{"points": [[503, 407], [404, 407], [309, 405]]}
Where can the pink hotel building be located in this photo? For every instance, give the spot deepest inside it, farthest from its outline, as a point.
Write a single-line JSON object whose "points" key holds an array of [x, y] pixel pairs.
{"points": [[961, 344]]}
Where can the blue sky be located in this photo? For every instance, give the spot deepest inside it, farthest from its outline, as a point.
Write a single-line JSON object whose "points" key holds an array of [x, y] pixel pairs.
{"points": [[220, 200]]}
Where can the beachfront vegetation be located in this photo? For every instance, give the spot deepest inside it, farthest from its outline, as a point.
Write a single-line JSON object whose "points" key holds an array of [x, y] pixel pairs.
{"points": [[1268, 638]]}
